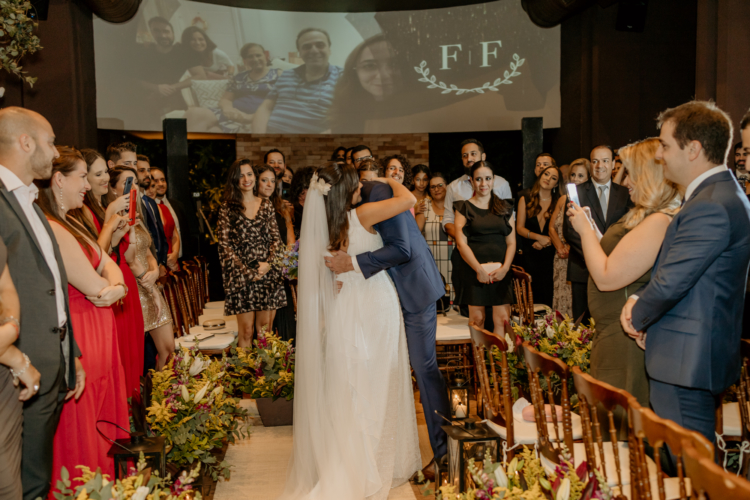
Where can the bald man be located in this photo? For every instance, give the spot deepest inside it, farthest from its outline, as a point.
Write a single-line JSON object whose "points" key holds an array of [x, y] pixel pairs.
{"points": [[27, 150]]}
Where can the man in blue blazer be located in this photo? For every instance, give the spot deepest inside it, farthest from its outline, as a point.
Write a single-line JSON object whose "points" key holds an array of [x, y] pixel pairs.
{"points": [[690, 312], [408, 260]]}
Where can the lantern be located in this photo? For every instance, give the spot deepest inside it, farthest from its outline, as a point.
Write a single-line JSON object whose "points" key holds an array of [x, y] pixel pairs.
{"points": [[467, 446], [129, 450], [458, 395]]}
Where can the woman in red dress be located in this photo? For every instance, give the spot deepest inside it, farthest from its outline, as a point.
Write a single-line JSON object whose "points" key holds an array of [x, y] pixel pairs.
{"points": [[95, 283], [111, 231]]}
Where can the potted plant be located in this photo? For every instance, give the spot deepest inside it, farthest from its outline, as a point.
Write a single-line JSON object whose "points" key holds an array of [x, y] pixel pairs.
{"points": [[192, 406], [266, 373]]}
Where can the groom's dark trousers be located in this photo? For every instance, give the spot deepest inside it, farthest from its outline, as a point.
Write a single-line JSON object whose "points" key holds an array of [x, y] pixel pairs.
{"points": [[408, 260]]}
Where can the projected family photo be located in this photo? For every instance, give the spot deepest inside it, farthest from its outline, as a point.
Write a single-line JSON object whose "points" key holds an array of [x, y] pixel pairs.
{"points": [[229, 70]]}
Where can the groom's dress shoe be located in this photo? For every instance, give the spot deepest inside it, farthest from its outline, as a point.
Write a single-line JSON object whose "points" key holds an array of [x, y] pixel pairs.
{"points": [[428, 472]]}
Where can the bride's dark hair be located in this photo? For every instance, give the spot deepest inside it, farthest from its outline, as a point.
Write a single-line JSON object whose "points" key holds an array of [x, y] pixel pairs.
{"points": [[344, 182]]}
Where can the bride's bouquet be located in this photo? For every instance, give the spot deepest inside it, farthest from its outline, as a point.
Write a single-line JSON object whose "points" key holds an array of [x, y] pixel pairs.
{"points": [[287, 261]]}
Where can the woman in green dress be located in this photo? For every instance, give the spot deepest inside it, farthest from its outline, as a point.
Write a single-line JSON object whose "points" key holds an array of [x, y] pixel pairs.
{"points": [[620, 263]]}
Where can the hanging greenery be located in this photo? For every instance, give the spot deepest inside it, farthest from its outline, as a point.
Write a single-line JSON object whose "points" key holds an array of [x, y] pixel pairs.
{"points": [[17, 38]]}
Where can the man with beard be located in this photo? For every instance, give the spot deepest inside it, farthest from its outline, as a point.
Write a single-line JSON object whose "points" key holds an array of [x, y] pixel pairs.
{"points": [[27, 150], [472, 151], [173, 210], [300, 101], [151, 212], [608, 203]]}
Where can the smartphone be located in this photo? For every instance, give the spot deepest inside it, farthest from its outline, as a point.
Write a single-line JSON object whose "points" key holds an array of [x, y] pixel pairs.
{"points": [[573, 193], [128, 185], [131, 208]]}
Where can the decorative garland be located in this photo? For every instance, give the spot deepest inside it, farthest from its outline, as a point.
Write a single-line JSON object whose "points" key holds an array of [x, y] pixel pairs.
{"points": [[17, 37], [423, 70]]}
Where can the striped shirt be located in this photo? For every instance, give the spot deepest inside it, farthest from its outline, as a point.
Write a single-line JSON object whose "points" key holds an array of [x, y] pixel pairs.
{"points": [[301, 106]]}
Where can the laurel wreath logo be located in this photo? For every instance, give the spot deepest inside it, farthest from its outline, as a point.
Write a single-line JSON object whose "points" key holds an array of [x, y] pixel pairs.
{"points": [[423, 70]]}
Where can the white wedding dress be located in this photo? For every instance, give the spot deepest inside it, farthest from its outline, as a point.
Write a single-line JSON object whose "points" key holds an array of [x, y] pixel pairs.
{"points": [[355, 430]]}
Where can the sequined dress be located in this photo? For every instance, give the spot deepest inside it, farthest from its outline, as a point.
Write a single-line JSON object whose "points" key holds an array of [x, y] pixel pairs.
{"points": [[153, 317]]}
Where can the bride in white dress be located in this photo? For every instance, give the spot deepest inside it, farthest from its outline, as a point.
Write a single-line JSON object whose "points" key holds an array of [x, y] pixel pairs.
{"points": [[355, 430]]}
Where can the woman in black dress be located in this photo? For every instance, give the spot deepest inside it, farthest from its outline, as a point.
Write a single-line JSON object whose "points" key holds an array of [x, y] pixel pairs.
{"points": [[248, 241], [534, 216], [284, 321], [484, 235]]}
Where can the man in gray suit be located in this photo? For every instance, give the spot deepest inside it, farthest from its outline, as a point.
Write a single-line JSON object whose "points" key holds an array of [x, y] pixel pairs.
{"points": [[690, 312], [27, 150]]}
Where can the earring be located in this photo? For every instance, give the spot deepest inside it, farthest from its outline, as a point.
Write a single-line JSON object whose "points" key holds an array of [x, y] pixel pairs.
{"points": [[62, 205]]}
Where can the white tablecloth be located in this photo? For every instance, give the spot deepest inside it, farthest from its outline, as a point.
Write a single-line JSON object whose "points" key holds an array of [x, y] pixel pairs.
{"points": [[452, 327]]}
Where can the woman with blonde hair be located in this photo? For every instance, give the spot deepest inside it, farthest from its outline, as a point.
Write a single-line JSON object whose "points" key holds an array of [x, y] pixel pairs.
{"points": [[620, 263]]}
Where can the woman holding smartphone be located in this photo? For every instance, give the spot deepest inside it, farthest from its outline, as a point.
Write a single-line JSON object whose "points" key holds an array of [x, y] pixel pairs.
{"points": [[248, 241], [484, 235]]}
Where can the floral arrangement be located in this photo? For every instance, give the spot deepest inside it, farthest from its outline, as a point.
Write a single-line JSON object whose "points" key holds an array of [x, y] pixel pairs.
{"points": [[192, 406], [557, 336], [525, 479], [17, 37], [140, 484], [267, 369], [287, 260]]}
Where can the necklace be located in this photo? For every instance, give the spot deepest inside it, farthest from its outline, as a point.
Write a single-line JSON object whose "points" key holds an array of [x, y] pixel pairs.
{"points": [[545, 199]]}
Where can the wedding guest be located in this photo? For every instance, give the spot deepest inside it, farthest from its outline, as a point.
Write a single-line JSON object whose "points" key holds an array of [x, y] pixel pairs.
{"points": [[95, 283], [213, 63], [248, 240], [440, 244], [745, 131], [288, 176], [484, 229], [369, 170], [109, 226], [562, 299], [608, 203], [620, 262], [275, 159], [34, 261], [689, 311], [421, 181], [245, 92], [300, 100], [542, 162], [339, 155], [19, 381], [300, 182], [171, 214], [284, 321], [534, 221], [149, 211], [135, 249], [359, 154], [348, 157]]}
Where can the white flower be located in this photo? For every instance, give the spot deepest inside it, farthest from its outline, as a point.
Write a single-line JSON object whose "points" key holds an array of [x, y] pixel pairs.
{"points": [[319, 185], [198, 366], [140, 494], [550, 332], [563, 493], [201, 393], [185, 393], [2, 91], [501, 479], [217, 391]]}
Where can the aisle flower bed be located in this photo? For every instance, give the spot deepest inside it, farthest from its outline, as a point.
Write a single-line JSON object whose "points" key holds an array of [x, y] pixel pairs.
{"points": [[265, 370]]}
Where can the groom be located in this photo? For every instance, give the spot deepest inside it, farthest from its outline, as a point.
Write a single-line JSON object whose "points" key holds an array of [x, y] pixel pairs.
{"points": [[408, 260]]}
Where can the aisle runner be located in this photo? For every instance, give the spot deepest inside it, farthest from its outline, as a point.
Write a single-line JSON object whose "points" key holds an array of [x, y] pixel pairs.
{"points": [[260, 461]]}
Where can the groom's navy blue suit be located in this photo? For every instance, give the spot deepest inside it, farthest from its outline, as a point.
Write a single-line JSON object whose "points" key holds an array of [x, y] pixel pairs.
{"points": [[410, 264]]}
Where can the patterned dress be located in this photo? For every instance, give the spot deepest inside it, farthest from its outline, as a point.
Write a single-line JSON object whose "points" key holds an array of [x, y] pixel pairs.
{"points": [[563, 298], [242, 240], [441, 245]]}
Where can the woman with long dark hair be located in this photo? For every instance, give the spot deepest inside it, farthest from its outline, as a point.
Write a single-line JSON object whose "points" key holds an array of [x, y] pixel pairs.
{"points": [[94, 284], [300, 183], [369, 78], [534, 221], [105, 223], [212, 62], [355, 433], [135, 249], [248, 241], [487, 243]]}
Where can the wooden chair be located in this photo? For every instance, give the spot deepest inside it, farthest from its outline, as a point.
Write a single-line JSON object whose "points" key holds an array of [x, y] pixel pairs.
{"points": [[170, 295], [710, 480], [192, 281], [647, 426], [539, 364], [203, 264], [591, 394], [495, 392], [183, 301], [524, 305]]}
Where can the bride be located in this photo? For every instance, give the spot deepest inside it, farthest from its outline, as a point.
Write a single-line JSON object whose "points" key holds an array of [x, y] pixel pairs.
{"points": [[355, 430]]}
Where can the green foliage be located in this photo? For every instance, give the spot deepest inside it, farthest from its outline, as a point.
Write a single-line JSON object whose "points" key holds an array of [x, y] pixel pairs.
{"points": [[17, 37], [191, 405], [209, 163], [267, 369]]}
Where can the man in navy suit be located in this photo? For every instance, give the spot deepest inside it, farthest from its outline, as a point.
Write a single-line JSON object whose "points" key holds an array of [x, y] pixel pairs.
{"points": [[690, 312], [408, 260]]}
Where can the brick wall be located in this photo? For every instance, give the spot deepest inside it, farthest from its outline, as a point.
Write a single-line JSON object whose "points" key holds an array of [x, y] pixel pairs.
{"points": [[313, 150]]}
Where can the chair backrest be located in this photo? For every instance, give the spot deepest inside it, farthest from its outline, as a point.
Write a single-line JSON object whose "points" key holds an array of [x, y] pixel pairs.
{"points": [[183, 300], [708, 480], [743, 389], [203, 265], [167, 283], [539, 364], [524, 305], [647, 426], [496, 391], [592, 393], [194, 287]]}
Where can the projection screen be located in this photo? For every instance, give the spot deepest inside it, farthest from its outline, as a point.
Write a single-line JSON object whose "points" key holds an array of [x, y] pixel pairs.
{"points": [[228, 70]]}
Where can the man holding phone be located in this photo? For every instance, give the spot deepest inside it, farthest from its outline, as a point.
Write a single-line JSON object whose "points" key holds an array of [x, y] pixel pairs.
{"points": [[608, 202]]}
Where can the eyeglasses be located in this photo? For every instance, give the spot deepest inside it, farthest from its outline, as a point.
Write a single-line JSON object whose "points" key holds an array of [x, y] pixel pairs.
{"points": [[363, 158], [437, 186]]}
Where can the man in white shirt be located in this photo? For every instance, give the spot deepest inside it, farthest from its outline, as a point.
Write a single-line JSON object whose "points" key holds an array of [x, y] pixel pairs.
{"points": [[460, 189], [27, 150]]}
